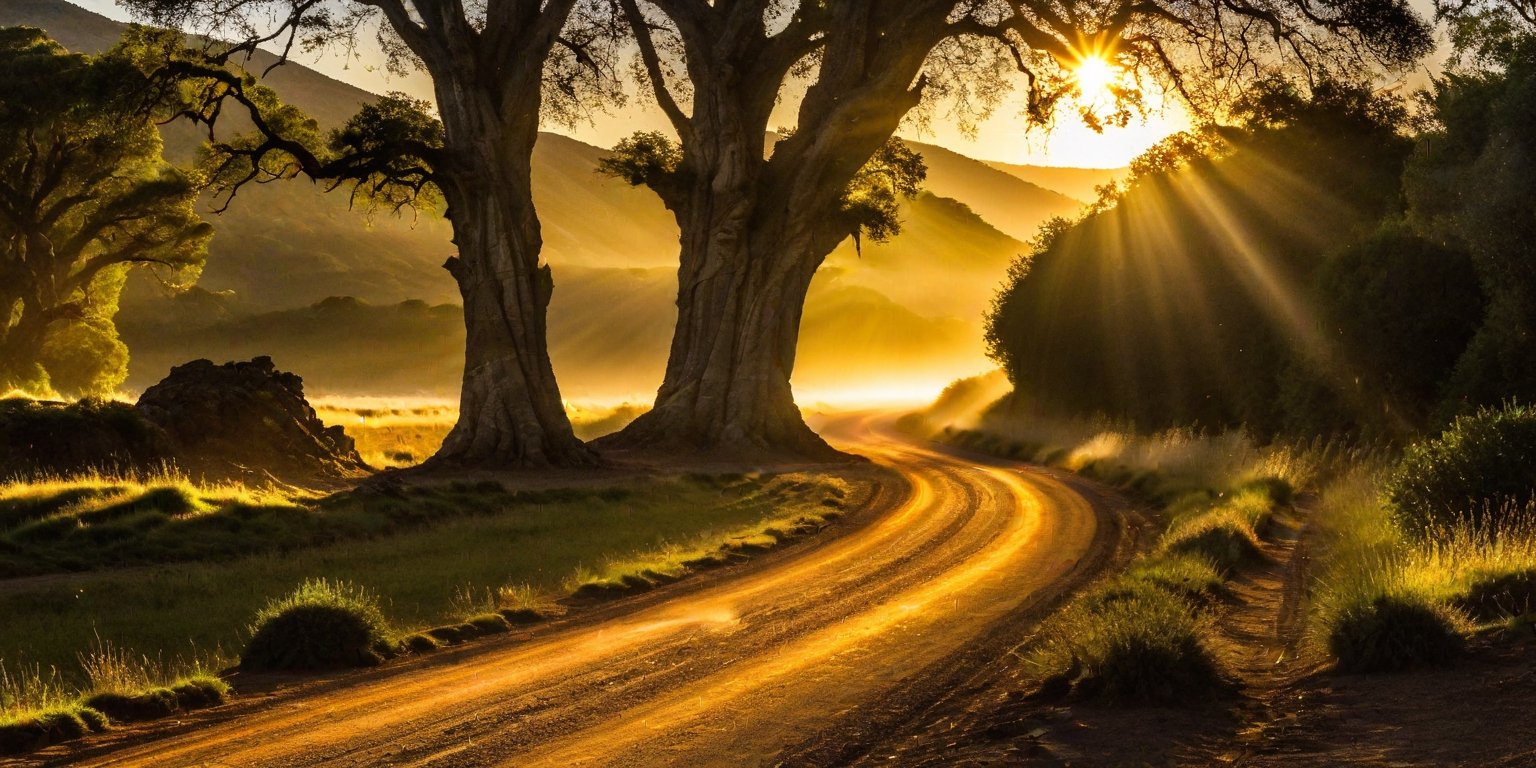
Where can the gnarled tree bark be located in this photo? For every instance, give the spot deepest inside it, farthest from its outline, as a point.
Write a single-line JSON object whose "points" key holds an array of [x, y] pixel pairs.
{"points": [[756, 229], [510, 410]]}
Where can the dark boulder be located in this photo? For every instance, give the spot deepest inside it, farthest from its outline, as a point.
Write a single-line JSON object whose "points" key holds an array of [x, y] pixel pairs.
{"points": [[246, 419]]}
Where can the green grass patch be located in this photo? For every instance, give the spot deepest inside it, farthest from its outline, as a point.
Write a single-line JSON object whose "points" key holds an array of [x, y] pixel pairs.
{"points": [[513, 560], [320, 625], [100, 522], [1129, 641], [1387, 599]]}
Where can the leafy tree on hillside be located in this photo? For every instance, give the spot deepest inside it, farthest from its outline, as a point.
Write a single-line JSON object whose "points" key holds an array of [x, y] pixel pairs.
{"points": [[754, 229], [84, 197]]}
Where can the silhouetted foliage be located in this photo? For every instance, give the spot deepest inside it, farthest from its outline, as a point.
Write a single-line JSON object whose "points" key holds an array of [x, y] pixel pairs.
{"points": [[1482, 470], [1472, 185], [1394, 633], [1404, 307], [321, 625], [84, 196], [1188, 298]]}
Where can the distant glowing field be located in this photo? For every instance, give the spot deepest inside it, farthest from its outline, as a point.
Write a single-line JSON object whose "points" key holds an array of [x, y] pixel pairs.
{"points": [[403, 432]]}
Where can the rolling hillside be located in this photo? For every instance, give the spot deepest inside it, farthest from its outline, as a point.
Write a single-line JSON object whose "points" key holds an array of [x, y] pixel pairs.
{"points": [[1077, 183]]}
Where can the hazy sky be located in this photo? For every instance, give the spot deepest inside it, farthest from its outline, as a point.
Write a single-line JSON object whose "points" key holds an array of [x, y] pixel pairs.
{"points": [[1005, 137]]}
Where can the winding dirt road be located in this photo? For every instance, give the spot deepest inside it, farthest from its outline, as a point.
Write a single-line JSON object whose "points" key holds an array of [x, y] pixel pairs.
{"points": [[734, 668]]}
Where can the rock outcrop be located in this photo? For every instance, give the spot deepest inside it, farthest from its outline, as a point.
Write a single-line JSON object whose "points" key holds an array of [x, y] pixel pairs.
{"points": [[249, 417], [244, 421]]}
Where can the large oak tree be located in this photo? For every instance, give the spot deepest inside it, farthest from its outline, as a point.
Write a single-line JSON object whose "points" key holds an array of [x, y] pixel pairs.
{"points": [[755, 228], [495, 67]]}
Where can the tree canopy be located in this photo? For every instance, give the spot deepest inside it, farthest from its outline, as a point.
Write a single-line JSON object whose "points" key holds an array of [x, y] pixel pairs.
{"points": [[84, 196]]}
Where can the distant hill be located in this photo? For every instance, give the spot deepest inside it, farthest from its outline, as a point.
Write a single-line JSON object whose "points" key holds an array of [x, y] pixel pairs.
{"points": [[1013, 205], [1077, 183]]}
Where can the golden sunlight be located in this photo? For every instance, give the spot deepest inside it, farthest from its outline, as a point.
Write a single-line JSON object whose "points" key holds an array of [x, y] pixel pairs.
{"points": [[1095, 77]]}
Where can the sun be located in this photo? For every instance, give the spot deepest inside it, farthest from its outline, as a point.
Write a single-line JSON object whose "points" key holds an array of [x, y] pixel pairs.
{"points": [[1095, 76]]}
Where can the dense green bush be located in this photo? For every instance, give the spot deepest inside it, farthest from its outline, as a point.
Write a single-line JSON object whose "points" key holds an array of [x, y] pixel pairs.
{"points": [[1390, 633], [1482, 470], [1130, 641], [321, 625]]}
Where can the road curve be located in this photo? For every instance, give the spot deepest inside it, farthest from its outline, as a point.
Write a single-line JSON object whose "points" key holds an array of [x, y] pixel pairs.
{"points": [[729, 674]]}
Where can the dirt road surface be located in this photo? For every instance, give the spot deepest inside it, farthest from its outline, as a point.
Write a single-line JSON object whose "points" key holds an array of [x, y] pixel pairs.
{"points": [[733, 668]]}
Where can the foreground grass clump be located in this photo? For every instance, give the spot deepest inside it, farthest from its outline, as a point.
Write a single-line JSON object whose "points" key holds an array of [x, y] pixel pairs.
{"points": [[1481, 470], [38, 709], [320, 625], [1390, 600], [1129, 641]]}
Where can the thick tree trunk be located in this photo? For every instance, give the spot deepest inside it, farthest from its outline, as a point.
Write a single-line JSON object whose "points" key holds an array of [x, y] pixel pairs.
{"points": [[727, 391], [510, 411]]}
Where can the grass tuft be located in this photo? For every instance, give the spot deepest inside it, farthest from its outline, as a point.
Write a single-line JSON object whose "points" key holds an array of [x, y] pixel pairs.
{"points": [[1131, 642], [320, 625]]}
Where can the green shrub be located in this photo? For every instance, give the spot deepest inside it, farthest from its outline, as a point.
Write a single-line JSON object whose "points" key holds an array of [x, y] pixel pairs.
{"points": [[321, 625], [419, 642], [1482, 470], [1500, 596], [1390, 633], [1223, 539], [1131, 642]]}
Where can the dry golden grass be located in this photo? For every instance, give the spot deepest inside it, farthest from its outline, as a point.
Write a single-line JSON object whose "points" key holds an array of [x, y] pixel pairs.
{"points": [[403, 432]]}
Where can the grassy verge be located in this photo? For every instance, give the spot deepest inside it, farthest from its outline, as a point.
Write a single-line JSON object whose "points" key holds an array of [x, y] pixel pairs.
{"points": [[1142, 635], [39, 708], [1386, 601], [514, 560], [1406, 564]]}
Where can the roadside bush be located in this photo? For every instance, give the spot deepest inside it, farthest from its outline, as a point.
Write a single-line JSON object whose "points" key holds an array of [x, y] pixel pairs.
{"points": [[1223, 538], [1132, 642], [1482, 470], [1390, 633], [322, 624]]}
